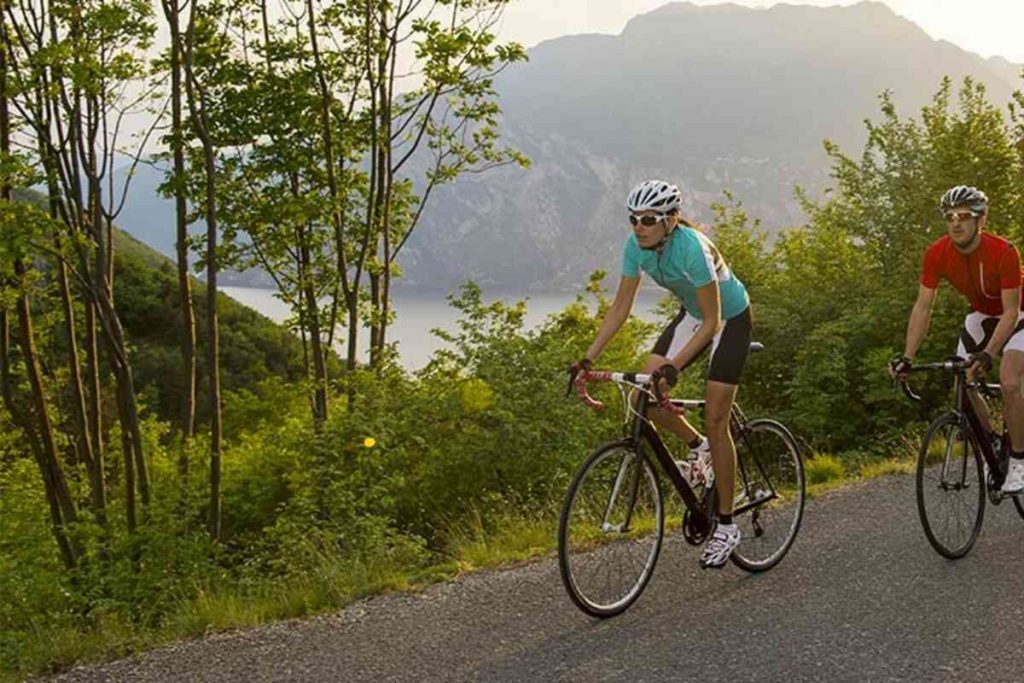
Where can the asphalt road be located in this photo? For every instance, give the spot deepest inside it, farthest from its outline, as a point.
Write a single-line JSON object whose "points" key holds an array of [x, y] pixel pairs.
{"points": [[860, 597]]}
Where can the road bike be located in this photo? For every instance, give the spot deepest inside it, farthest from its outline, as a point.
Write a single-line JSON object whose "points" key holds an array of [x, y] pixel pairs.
{"points": [[960, 464]]}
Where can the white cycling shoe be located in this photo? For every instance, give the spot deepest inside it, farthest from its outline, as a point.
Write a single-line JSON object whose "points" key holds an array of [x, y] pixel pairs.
{"points": [[1014, 477], [719, 548]]}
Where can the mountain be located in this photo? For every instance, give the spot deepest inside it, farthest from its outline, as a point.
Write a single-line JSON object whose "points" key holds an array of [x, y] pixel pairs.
{"points": [[717, 97]]}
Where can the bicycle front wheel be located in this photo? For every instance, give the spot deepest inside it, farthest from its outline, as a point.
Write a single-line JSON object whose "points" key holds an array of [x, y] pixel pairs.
{"points": [[610, 531], [768, 503], [950, 488]]}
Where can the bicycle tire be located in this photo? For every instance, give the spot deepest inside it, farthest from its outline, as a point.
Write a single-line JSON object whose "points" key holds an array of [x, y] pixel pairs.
{"points": [[950, 481], [768, 461], [588, 534]]}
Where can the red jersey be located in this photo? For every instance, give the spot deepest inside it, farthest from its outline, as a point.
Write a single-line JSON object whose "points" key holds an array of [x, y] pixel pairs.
{"points": [[980, 276]]}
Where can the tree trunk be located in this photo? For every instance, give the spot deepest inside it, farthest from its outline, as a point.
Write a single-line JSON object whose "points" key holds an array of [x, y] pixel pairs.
{"points": [[127, 451], [95, 397], [337, 193], [117, 351], [85, 442], [62, 506], [188, 340], [188, 321], [375, 320], [387, 81], [312, 315], [93, 459], [198, 111], [352, 309], [213, 343], [62, 509], [20, 419], [57, 518], [101, 232]]}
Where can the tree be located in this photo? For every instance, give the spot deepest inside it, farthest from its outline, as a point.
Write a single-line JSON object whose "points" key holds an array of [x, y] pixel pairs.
{"points": [[173, 10], [199, 105], [452, 117]]}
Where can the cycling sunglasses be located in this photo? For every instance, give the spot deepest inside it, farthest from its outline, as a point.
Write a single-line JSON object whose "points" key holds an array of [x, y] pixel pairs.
{"points": [[958, 216], [648, 220]]}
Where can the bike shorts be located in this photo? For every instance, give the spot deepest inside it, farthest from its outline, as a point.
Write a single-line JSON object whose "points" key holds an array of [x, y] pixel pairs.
{"points": [[729, 347], [978, 329]]}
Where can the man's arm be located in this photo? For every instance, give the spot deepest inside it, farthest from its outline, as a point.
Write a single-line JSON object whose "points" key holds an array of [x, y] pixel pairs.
{"points": [[920, 318]]}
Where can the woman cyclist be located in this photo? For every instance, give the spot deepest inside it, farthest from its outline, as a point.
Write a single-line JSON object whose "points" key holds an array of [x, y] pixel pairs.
{"points": [[714, 312]]}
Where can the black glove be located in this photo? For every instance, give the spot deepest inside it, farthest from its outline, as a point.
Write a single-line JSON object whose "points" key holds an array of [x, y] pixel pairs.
{"points": [[900, 365], [669, 373], [582, 365], [982, 358]]}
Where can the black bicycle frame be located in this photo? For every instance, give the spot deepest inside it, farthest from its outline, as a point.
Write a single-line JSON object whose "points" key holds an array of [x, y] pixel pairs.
{"points": [[643, 432], [971, 422]]}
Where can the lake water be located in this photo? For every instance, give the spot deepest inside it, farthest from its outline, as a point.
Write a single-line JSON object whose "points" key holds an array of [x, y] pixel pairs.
{"points": [[416, 314]]}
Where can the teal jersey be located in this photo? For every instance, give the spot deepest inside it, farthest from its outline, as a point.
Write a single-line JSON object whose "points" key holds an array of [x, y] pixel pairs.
{"points": [[689, 261]]}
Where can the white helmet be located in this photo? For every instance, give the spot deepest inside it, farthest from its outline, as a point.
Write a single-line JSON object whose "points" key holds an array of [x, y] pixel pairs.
{"points": [[654, 195], [962, 195]]}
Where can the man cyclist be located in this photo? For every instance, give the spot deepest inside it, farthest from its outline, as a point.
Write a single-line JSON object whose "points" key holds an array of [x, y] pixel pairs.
{"points": [[987, 270], [715, 313]]}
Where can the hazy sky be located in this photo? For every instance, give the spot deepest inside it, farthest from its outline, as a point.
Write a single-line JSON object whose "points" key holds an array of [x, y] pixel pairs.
{"points": [[986, 27]]}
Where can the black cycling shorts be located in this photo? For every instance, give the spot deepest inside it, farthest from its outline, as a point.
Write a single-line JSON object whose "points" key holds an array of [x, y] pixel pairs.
{"points": [[729, 348]]}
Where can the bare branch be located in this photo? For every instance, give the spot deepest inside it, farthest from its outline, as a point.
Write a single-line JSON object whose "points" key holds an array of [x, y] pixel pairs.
{"points": [[419, 136], [135, 163]]}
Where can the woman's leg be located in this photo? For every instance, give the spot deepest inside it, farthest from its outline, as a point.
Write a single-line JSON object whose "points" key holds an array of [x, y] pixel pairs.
{"points": [[728, 358], [723, 451]]}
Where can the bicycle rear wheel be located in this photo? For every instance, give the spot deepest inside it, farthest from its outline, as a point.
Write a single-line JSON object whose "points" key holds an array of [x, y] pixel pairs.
{"points": [[610, 530], [950, 488], [768, 503]]}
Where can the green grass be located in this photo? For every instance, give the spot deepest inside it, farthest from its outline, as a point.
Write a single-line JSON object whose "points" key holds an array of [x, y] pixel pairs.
{"points": [[826, 472], [51, 647], [824, 468], [513, 540], [887, 468]]}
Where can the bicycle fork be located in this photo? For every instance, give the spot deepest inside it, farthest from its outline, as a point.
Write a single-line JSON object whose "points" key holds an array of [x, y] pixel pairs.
{"points": [[617, 488], [951, 479]]}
